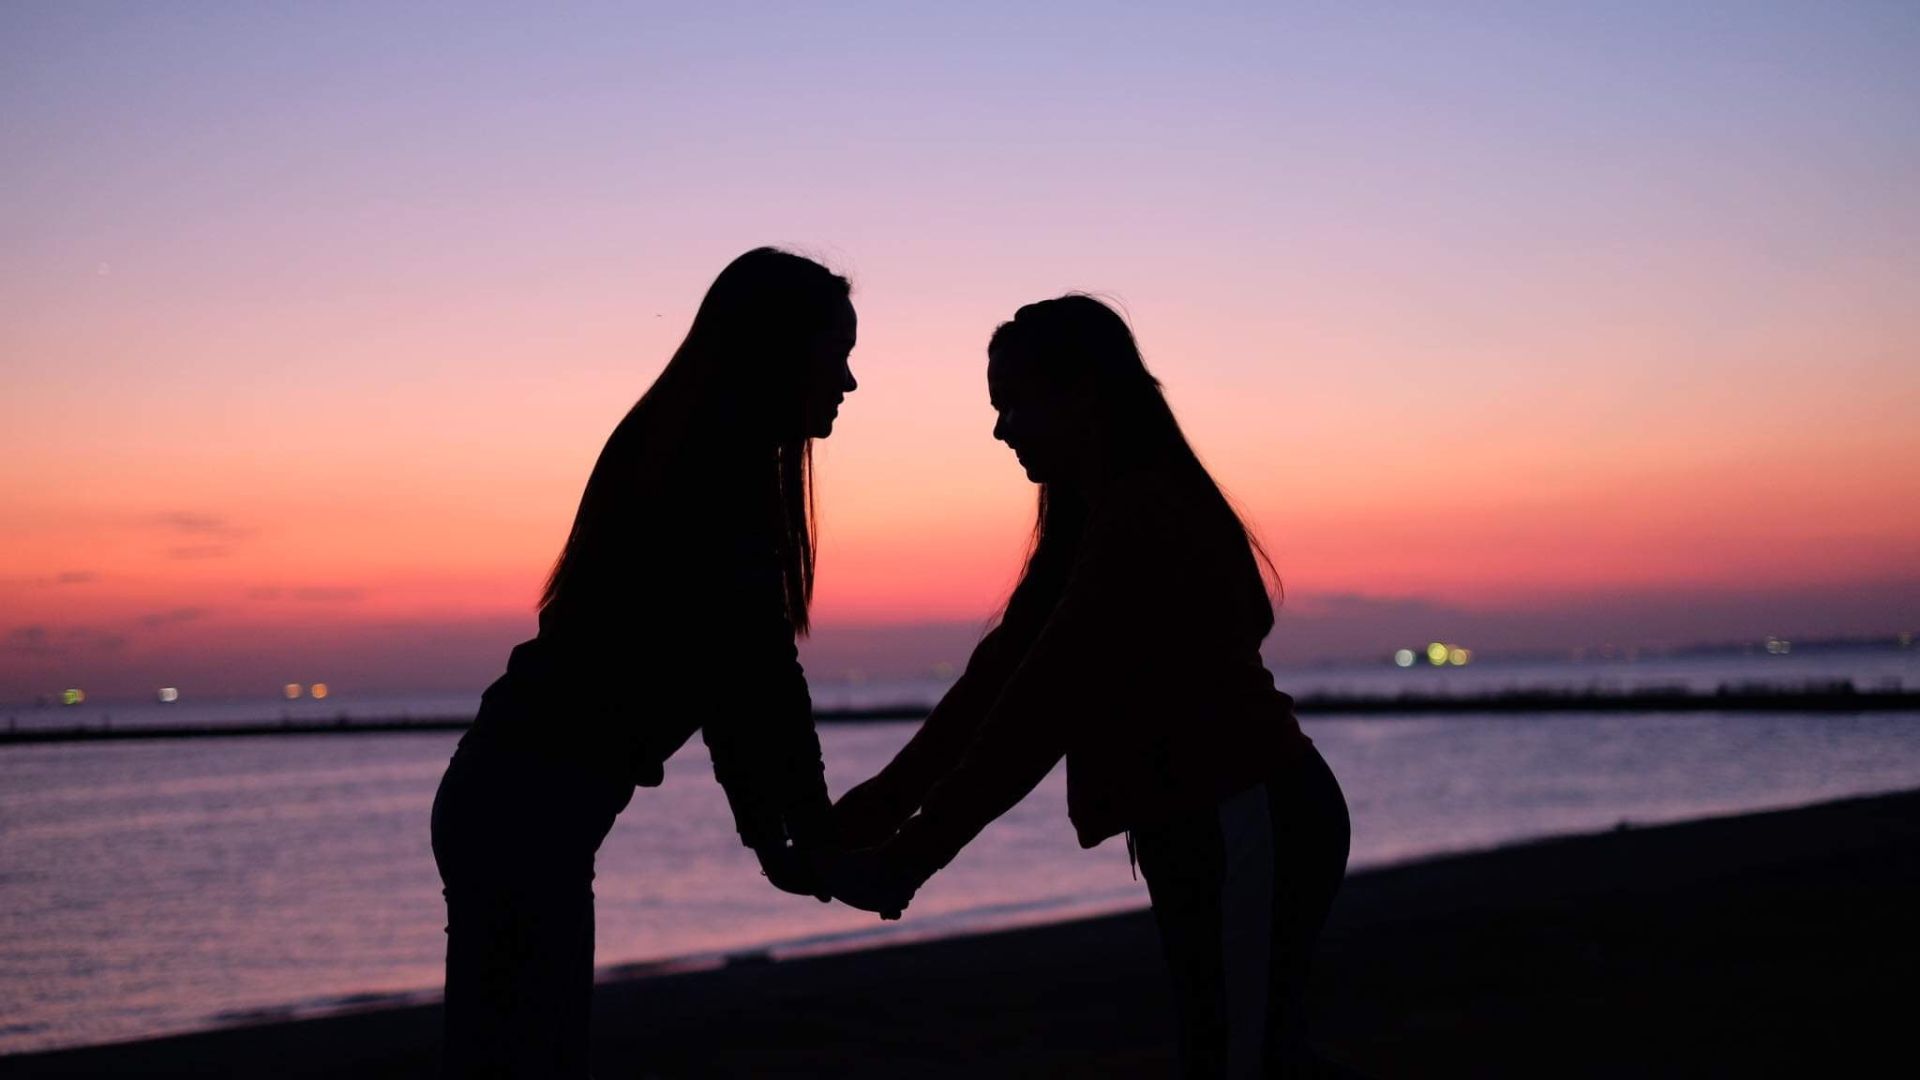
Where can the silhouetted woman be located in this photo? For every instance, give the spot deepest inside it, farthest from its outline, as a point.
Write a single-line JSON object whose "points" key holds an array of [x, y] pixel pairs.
{"points": [[1131, 647], [672, 608]]}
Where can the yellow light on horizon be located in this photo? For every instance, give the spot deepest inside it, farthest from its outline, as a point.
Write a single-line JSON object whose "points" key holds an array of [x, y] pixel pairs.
{"points": [[169, 694], [1437, 653], [1458, 656], [318, 690], [72, 696], [292, 690]]}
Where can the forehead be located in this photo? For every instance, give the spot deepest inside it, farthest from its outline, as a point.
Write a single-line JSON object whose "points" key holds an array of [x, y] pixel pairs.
{"points": [[1008, 378], [1004, 367]]}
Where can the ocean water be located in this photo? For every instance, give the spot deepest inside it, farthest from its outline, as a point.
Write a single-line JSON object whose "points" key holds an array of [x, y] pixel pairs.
{"points": [[150, 887]]}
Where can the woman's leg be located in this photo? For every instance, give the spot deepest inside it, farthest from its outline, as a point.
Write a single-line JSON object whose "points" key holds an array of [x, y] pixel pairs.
{"points": [[478, 1006], [551, 964], [1311, 835], [1240, 891], [1185, 863], [515, 840]]}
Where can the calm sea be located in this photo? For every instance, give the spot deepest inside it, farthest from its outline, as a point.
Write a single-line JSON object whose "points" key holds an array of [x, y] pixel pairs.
{"points": [[150, 887]]}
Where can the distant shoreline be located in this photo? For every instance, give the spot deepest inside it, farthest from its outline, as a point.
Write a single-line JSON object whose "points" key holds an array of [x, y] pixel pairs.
{"points": [[1836, 697]]}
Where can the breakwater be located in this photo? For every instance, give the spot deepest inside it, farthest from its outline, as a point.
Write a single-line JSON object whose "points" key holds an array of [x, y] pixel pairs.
{"points": [[1833, 697]]}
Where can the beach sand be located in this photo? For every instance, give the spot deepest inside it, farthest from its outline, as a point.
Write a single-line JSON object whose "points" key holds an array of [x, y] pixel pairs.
{"points": [[1762, 945]]}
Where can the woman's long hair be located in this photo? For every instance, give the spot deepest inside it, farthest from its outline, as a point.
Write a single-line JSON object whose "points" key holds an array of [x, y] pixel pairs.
{"points": [[1076, 345], [733, 391]]}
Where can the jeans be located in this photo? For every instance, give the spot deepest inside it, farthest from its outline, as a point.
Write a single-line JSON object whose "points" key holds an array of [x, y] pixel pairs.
{"points": [[1240, 891], [515, 834]]}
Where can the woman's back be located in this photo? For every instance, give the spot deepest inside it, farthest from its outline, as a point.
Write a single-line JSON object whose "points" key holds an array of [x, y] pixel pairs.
{"points": [[676, 612], [1169, 607]]}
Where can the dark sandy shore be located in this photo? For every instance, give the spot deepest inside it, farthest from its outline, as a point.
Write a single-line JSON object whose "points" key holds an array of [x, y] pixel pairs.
{"points": [[1765, 945]]}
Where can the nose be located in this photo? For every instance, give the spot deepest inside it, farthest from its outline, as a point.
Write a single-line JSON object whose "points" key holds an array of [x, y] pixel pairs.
{"points": [[1000, 427], [851, 384]]}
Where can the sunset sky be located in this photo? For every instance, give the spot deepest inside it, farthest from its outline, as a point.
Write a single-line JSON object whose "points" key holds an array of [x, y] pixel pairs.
{"points": [[1566, 325]]}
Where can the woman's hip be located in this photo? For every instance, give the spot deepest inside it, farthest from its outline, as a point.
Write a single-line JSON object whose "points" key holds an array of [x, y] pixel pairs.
{"points": [[1295, 819], [1307, 804], [521, 817]]}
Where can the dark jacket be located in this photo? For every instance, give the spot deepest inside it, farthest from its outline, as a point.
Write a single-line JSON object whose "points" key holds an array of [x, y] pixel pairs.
{"points": [[1146, 675], [684, 629]]}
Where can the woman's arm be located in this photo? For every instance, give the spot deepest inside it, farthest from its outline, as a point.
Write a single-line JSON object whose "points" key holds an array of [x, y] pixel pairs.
{"points": [[1031, 722], [1006, 752], [873, 811], [766, 753]]}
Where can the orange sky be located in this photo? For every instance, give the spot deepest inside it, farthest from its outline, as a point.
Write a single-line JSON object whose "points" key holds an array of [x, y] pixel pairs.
{"points": [[311, 326]]}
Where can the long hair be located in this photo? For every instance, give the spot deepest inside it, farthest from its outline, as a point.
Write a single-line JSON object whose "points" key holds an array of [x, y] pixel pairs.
{"points": [[739, 378], [1074, 344]]}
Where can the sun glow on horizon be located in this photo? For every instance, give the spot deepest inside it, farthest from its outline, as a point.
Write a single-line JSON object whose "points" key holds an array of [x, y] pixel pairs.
{"points": [[313, 335]]}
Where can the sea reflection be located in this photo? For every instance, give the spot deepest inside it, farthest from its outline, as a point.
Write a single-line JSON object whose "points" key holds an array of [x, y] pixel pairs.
{"points": [[159, 886]]}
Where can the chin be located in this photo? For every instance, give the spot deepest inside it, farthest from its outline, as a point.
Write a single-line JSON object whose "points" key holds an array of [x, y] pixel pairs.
{"points": [[820, 424]]}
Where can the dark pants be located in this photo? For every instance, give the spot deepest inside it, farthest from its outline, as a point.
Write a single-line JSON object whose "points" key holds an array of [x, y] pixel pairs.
{"points": [[1240, 891], [515, 836]]}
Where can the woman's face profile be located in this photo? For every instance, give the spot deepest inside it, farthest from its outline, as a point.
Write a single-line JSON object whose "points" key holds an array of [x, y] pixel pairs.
{"points": [[829, 378], [1029, 419]]}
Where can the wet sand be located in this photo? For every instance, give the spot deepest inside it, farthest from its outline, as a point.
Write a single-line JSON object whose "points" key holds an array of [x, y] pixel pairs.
{"points": [[1761, 945]]}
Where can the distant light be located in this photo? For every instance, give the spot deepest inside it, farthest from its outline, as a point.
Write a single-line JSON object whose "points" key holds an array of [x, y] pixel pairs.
{"points": [[72, 697], [1906, 641], [1437, 654], [169, 694], [318, 690], [943, 670], [1404, 657], [1779, 646], [292, 690], [1458, 656]]}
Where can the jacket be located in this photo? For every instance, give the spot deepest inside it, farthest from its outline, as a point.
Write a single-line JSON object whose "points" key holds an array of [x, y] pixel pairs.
{"points": [[1145, 675], [685, 630]]}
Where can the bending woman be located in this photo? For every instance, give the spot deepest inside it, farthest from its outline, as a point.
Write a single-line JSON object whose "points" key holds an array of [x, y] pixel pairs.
{"points": [[1130, 647], [686, 576]]}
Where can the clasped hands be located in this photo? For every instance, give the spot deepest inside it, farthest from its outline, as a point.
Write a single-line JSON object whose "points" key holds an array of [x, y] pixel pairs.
{"points": [[860, 878]]}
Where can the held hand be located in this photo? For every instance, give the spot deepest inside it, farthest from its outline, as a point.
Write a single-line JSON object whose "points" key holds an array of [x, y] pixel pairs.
{"points": [[793, 871], [864, 880], [864, 817]]}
